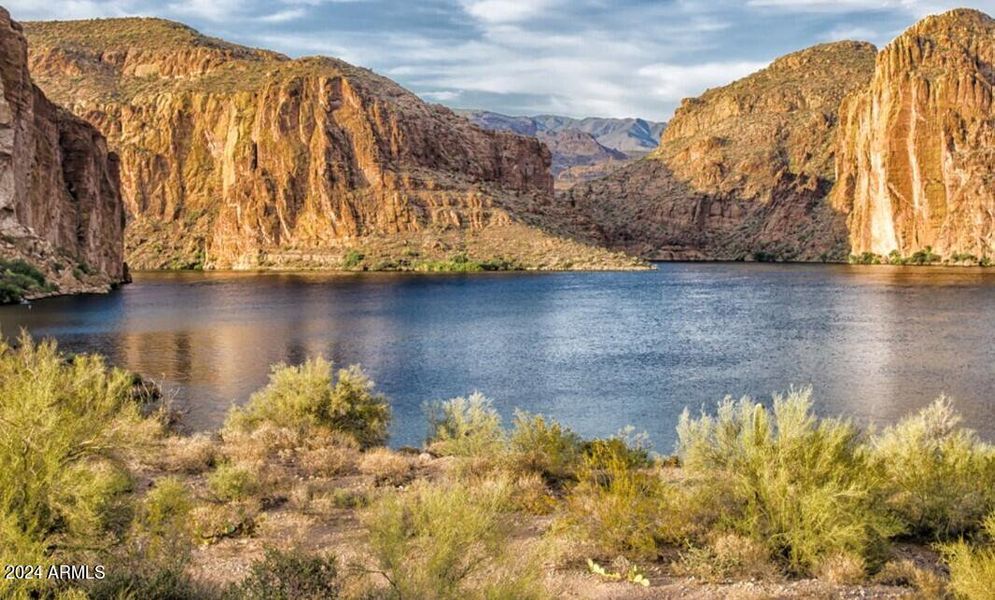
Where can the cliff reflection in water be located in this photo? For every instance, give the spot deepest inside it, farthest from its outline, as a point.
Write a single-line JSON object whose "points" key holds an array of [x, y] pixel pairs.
{"points": [[596, 350]]}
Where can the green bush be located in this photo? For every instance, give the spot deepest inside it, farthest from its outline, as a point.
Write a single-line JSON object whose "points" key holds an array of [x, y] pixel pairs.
{"points": [[450, 542], [865, 258], [972, 569], [233, 482], [164, 584], [465, 427], [796, 483], [353, 259], [924, 257], [618, 508], [289, 575], [18, 278], [66, 427], [538, 446], [309, 396], [940, 476]]}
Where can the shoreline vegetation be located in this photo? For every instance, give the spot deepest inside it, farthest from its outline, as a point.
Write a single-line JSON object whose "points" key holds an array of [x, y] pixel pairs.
{"points": [[296, 496]]}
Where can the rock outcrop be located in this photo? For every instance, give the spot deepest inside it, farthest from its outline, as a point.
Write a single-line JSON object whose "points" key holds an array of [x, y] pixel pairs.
{"points": [[743, 171], [916, 158], [60, 205], [233, 157]]}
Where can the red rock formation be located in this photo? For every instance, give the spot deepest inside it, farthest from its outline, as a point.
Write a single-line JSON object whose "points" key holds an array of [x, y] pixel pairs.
{"points": [[741, 172], [240, 158], [916, 150], [60, 205]]}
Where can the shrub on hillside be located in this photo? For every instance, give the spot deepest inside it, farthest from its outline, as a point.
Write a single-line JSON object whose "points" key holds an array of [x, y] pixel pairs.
{"points": [[65, 428], [796, 483], [940, 476], [289, 575], [465, 427], [233, 482], [450, 541], [310, 396]]}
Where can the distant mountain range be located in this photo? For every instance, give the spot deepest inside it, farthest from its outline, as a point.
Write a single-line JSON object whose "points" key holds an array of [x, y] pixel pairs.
{"points": [[583, 149]]}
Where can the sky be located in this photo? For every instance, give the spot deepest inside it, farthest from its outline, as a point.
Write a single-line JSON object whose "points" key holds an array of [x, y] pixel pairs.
{"points": [[609, 58]]}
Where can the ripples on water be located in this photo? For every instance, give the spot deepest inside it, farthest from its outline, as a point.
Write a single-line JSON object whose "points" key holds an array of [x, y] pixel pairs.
{"points": [[596, 350]]}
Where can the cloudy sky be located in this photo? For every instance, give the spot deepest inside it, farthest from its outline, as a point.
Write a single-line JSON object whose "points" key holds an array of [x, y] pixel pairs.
{"points": [[574, 57]]}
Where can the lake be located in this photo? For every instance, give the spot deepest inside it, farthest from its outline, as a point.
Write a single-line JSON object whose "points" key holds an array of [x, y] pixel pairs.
{"points": [[597, 351]]}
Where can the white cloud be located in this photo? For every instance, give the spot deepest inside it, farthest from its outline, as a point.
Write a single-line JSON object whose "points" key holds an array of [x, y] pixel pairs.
{"points": [[674, 82], [506, 11]]}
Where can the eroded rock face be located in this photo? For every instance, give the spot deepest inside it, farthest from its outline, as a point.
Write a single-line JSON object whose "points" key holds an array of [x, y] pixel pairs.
{"points": [[916, 158], [741, 172], [60, 205], [233, 156]]}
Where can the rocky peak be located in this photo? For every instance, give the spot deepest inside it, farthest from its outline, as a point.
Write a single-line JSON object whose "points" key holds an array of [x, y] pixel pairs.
{"points": [[916, 152]]}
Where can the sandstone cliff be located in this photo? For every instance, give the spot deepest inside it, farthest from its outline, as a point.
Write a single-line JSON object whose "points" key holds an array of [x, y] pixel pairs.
{"points": [[916, 159], [239, 158], [60, 206], [741, 172]]}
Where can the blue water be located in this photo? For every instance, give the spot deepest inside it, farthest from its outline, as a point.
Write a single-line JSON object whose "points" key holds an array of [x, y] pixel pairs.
{"points": [[597, 351]]}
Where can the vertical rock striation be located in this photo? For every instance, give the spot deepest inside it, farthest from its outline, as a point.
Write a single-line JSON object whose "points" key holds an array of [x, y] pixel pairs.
{"points": [[240, 158], [916, 149], [60, 205]]}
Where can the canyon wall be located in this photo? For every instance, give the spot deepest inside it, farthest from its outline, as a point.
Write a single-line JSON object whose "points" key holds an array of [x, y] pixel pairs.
{"points": [[916, 149], [742, 171], [60, 206], [233, 157]]}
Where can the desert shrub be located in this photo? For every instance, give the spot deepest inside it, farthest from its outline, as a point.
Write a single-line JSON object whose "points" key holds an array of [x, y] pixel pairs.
{"points": [[927, 582], [796, 483], [972, 569], [163, 584], [841, 569], [386, 467], [617, 508], [191, 455], [449, 541], [328, 455], [541, 447], [18, 278], [210, 523], [465, 427], [233, 482], [310, 396], [353, 259], [728, 556], [865, 258], [926, 256], [66, 427], [532, 495], [940, 476], [289, 575]]}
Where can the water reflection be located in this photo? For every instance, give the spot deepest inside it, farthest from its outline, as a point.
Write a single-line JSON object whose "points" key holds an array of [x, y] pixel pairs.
{"points": [[597, 350]]}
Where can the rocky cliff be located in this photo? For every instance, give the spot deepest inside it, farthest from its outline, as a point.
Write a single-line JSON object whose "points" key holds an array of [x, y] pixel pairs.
{"points": [[60, 206], [741, 172], [916, 159], [233, 157]]}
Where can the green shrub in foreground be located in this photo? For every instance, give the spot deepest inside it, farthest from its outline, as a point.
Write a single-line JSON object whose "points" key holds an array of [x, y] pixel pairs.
{"points": [[619, 508], [972, 569], [798, 484], [450, 541], [233, 482], [289, 575], [309, 395], [543, 447], [464, 427], [65, 428], [940, 476]]}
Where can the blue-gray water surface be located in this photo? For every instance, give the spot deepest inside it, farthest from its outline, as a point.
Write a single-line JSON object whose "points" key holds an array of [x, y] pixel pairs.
{"points": [[597, 351]]}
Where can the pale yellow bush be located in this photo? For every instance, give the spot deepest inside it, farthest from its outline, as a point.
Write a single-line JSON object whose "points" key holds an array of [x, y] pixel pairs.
{"points": [[190, 455], [386, 467], [841, 569], [727, 557]]}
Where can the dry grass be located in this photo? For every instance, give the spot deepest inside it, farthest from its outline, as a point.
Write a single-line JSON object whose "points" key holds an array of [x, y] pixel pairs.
{"points": [[386, 467]]}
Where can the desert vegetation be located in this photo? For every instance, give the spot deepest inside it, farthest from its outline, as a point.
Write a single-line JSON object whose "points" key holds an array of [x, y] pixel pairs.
{"points": [[297, 497]]}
